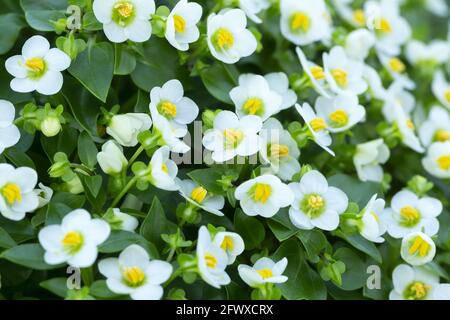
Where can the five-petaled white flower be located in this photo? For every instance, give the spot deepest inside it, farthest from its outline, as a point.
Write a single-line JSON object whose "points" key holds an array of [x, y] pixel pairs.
{"points": [[437, 160], [38, 68], [316, 204], [371, 226], [231, 243], [134, 274], [75, 240], [163, 170], [264, 271], [406, 129], [315, 74], [435, 53], [9, 133], [417, 249], [369, 157], [125, 19], [436, 128], [125, 128], [279, 82], [200, 197], [253, 7]]}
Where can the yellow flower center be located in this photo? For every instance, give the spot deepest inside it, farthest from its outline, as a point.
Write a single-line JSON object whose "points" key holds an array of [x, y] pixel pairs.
{"points": [[253, 106], [377, 218], [384, 26], [444, 162], [442, 135], [318, 124], [420, 246], [35, 64], [199, 194], [211, 261], [300, 22], [410, 215], [179, 23], [265, 273], [72, 241], [223, 39], [168, 109], [262, 192], [11, 193], [317, 73], [134, 276], [315, 202], [227, 243], [164, 168], [340, 76], [339, 118], [124, 9], [447, 95], [417, 291], [410, 124], [397, 65], [278, 150], [359, 17], [232, 137]]}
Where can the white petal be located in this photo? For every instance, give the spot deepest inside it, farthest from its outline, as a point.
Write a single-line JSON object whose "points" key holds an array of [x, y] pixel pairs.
{"points": [[313, 182], [23, 85], [110, 268], [148, 292], [15, 66], [139, 30], [134, 256], [103, 10], [158, 272], [9, 136], [36, 46], [57, 60], [328, 220], [336, 199], [114, 32], [402, 276], [85, 257], [430, 207], [50, 83]]}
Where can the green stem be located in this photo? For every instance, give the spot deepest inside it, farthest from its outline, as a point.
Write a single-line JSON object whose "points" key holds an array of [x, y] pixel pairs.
{"points": [[129, 185], [82, 168], [136, 155]]}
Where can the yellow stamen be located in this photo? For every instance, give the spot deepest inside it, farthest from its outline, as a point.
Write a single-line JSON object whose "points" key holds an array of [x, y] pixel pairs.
{"points": [[359, 17], [35, 64], [384, 26], [262, 192], [447, 95], [199, 194], [318, 73], [300, 22], [410, 124], [232, 137], [265, 273], [11, 192], [227, 243], [442, 135], [211, 261], [179, 23], [409, 213], [421, 246], [72, 238], [168, 108], [124, 9], [278, 150], [340, 76], [223, 39], [253, 105], [315, 202], [133, 276], [164, 168], [318, 124], [444, 162], [397, 65], [419, 290], [377, 218], [339, 117]]}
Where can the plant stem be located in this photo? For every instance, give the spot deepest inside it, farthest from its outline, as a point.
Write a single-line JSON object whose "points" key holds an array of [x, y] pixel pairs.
{"points": [[83, 168], [129, 185], [136, 155]]}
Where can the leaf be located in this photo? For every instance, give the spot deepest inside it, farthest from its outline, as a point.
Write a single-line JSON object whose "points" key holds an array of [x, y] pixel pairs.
{"points": [[6, 241], [208, 179], [29, 255], [314, 242], [99, 289], [57, 286], [119, 240], [71, 200], [357, 191], [39, 14], [19, 158], [5, 90], [361, 244], [281, 232], [125, 61], [55, 213], [20, 231], [155, 224], [250, 228], [94, 69], [11, 24], [355, 275], [219, 79], [303, 282], [87, 151], [94, 192], [65, 142]]}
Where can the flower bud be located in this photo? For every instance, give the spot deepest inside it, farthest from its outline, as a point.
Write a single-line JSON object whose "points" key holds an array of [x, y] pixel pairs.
{"points": [[125, 128], [50, 126], [60, 167], [111, 158]]}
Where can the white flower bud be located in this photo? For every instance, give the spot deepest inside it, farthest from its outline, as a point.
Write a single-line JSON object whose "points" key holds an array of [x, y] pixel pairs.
{"points": [[125, 128], [50, 126], [111, 158]]}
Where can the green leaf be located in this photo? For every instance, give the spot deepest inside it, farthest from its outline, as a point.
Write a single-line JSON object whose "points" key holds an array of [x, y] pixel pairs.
{"points": [[208, 178], [303, 282], [65, 142], [355, 275], [361, 244], [125, 61], [19, 158], [99, 289], [97, 59], [155, 224], [39, 14], [90, 23], [314, 242], [87, 151], [6, 241], [219, 79], [10, 24], [94, 192], [119, 240], [57, 286], [56, 212], [250, 228], [71, 200], [20, 231], [357, 191], [29, 255], [281, 232]]}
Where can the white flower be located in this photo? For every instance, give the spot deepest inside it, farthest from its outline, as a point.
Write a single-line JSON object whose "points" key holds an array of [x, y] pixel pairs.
{"points": [[435, 53], [315, 203], [304, 22], [211, 260], [125, 19], [135, 274], [170, 103], [279, 82], [170, 135], [397, 70], [163, 170], [406, 129], [436, 128], [315, 74], [341, 112], [279, 150], [368, 159], [359, 43], [9, 133], [441, 89], [409, 213], [344, 75], [253, 7], [372, 227], [75, 240], [437, 161], [376, 88], [125, 128], [111, 158], [391, 30], [254, 97], [437, 7], [417, 249], [231, 243], [263, 271], [17, 195], [416, 283], [38, 68], [355, 17], [397, 97], [228, 38], [181, 24], [200, 197], [122, 221], [317, 127], [263, 196], [44, 194], [233, 137]]}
